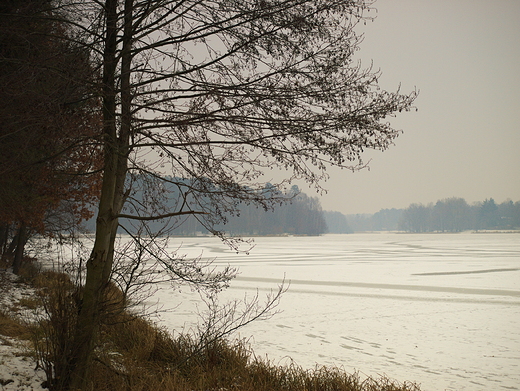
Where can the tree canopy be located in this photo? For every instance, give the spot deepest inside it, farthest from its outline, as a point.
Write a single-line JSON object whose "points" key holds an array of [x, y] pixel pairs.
{"points": [[48, 152], [217, 93]]}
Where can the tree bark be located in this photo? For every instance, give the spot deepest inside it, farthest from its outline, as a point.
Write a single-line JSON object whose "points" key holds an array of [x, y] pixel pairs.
{"points": [[12, 246], [4, 234], [99, 264], [21, 239]]}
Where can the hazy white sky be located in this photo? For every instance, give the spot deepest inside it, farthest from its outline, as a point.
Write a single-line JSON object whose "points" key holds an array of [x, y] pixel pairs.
{"points": [[464, 141]]}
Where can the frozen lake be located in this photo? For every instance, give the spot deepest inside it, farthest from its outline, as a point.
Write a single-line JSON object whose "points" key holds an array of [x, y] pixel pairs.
{"points": [[439, 309]]}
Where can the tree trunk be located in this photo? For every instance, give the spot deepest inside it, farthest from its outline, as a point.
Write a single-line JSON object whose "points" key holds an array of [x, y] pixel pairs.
{"points": [[99, 265], [12, 245], [116, 149], [4, 238], [21, 239], [89, 317]]}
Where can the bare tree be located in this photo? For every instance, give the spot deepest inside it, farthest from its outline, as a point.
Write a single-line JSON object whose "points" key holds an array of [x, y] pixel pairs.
{"points": [[217, 93]]}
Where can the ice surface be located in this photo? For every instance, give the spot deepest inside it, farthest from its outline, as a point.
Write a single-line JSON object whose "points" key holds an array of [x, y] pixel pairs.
{"points": [[439, 309]]}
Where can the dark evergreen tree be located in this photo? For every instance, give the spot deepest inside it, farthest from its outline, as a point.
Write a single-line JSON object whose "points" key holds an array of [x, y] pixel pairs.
{"points": [[506, 212], [336, 223], [488, 217], [416, 218], [451, 215]]}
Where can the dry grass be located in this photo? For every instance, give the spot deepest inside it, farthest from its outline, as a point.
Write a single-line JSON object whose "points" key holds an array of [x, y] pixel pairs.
{"points": [[12, 321], [11, 326], [141, 356], [29, 269], [134, 354]]}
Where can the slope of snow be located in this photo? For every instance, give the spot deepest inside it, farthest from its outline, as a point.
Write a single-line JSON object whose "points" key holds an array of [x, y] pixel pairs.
{"points": [[17, 368]]}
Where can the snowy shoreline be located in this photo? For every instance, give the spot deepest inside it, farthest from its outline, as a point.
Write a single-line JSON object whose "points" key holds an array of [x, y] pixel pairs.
{"points": [[18, 369]]}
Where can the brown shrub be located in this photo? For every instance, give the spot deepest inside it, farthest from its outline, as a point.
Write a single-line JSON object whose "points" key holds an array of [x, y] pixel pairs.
{"points": [[134, 354], [12, 327]]}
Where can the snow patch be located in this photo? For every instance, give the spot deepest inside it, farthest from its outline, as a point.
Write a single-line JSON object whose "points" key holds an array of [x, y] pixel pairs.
{"points": [[18, 370]]}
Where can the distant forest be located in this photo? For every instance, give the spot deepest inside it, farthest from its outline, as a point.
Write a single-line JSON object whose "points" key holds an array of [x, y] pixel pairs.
{"points": [[295, 214], [303, 215], [447, 215], [300, 215]]}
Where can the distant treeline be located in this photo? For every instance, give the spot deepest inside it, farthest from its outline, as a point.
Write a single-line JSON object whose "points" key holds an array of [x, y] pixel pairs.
{"points": [[300, 215], [447, 215], [294, 213], [303, 215]]}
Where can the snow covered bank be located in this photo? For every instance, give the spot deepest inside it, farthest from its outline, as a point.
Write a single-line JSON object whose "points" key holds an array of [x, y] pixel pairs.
{"points": [[18, 369]]}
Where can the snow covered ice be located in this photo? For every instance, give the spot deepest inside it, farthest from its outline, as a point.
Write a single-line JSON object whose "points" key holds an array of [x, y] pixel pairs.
{"points": [[442, 310], [439, 309]]}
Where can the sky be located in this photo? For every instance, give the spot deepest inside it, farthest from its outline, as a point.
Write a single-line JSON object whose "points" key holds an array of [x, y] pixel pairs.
{"points": [[464, 141]]}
